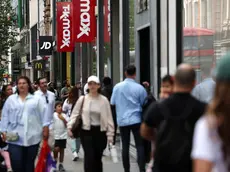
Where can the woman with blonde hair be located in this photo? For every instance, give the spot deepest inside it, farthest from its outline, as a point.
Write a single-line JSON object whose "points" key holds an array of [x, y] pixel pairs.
{"points": [[211, 145]]}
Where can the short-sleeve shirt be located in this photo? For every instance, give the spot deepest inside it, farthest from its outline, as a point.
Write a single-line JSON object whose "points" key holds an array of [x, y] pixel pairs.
{"points": [[176, 105], [208, 146], [60, 129]]}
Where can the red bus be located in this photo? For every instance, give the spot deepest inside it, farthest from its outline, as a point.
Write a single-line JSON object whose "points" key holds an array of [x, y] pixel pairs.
{"points": [[199, 50]]}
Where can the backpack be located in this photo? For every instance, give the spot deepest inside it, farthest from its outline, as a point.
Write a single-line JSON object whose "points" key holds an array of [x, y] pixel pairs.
{"points": [[174, 137], [148, 101]]}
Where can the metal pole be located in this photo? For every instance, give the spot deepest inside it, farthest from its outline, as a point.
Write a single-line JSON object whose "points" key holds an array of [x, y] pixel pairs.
{"points": [[111, 40], [52, 73], [84, 62], [77, 61], [38, 26], [125, 16], [100, 37]]}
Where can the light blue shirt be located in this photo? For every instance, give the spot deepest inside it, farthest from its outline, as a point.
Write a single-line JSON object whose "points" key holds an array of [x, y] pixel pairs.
{"points": [[27, 118], [128, 98], [205, 90]]}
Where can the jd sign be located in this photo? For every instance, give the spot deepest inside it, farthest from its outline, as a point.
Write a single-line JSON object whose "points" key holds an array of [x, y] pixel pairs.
{"points": [[45, 45]]}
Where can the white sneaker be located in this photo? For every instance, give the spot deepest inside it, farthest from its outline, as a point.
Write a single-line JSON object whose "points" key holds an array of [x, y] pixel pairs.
{"points": [[75, 156]]}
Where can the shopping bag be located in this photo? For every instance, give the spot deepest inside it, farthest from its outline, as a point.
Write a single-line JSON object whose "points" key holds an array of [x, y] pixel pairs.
{"points": [[50, 163], [41, 163], [113, 151]]}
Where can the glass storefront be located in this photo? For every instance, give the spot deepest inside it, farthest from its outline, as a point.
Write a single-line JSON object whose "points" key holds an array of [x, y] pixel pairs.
{"points": [[206, 34]]}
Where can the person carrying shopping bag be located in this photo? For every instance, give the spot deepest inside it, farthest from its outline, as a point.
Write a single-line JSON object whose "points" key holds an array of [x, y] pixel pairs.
{"points": [[97, 125]]}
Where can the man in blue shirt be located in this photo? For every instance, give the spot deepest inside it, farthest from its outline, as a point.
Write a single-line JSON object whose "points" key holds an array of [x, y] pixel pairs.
{"points": [[128, 98], [205, 90]]}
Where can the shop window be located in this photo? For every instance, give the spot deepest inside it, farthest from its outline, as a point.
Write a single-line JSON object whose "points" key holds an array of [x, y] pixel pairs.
{"points": [[206, 37]]}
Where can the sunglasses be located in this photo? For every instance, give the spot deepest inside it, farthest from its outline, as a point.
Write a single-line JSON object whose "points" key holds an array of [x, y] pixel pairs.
{"points": [[47, 100]]}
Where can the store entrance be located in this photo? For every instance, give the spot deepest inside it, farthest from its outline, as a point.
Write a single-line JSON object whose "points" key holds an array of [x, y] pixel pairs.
{"points": [[144, 39]]}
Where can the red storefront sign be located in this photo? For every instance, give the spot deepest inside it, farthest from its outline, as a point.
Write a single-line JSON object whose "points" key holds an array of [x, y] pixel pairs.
{"points": [[65, 27], [107, 25], [84, 20]]}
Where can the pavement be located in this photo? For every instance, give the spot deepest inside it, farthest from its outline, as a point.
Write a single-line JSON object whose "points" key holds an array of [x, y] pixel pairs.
{"points": [[109, 166]]}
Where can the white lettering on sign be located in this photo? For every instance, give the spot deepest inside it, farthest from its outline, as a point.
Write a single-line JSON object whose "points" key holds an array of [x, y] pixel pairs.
{"points": [[66, 27], [85, 18], [46, 45]]}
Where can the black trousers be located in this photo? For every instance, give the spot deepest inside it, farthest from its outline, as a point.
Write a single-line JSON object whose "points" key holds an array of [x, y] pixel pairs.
{"points": [[125, 137], [94, 143], [115, 124]]}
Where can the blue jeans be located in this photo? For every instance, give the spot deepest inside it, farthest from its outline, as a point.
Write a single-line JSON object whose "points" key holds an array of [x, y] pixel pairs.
{"points": [[75, 145], [23, 158]]}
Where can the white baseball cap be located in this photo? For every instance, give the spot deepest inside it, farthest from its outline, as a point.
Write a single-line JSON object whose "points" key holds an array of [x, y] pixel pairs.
{"points": [[93, 79]]}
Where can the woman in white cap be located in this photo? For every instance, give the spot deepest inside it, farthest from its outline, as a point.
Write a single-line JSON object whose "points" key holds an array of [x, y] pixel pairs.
{"points": [[98, 126]]}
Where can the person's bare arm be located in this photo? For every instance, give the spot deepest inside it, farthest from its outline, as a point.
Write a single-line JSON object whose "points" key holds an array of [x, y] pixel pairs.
{"points": [[147, 132], [202, 165]]}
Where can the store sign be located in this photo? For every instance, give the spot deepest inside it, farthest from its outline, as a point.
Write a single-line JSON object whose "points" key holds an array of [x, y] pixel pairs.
{"points": [[84, 20], [45, 45], [65, 27], [107, 22], [39, 65]]}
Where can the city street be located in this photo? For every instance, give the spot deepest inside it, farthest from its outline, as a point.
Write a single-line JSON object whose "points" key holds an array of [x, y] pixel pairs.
{"points": [[109, 166]]}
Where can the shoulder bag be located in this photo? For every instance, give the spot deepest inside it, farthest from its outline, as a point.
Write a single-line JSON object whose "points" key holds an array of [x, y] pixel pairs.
{"points": [[76, 128]]}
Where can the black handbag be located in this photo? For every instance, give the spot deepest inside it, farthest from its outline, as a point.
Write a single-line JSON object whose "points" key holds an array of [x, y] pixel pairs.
{"points": [[76, 128]]}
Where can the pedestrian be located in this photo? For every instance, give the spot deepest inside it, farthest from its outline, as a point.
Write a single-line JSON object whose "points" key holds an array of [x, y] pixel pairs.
{"points": [[52, 88], [4, 153], [65, 90], [128, 98], [166, 86], [107, 91], [67, 108], [211, 137], [60, 120], [205, 90], [7, 90], [97, 127], [78, 85], [47, 97], [24, 118], [174, 119]]}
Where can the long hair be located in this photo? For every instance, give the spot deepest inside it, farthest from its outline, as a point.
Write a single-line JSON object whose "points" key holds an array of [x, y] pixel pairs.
{"points": [[73, 95], [220, 109], [3, 94], [31, 91]]}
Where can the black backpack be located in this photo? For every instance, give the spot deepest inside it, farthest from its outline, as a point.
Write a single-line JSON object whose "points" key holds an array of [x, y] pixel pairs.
{"points": [[174, 136], [148, 101]]}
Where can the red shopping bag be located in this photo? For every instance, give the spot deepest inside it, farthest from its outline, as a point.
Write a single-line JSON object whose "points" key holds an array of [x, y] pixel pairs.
{"points": [[41, 164]]}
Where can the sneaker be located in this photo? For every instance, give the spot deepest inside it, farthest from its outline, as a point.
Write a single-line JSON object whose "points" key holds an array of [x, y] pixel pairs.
{"points": [[75, 156], [9, 170], [61, 168]]}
